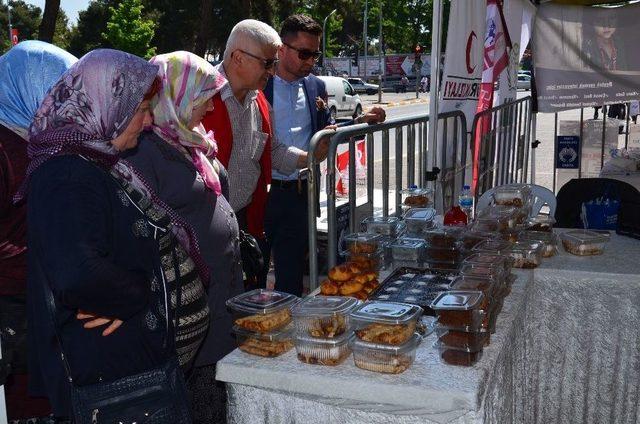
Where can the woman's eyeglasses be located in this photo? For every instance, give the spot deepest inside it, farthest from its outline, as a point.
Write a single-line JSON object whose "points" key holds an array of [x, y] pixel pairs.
{"points": [[305, 54], [268, 63]]}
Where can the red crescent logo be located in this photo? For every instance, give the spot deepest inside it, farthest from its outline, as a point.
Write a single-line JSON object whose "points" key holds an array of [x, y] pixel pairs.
{"points": [[470, 69]]}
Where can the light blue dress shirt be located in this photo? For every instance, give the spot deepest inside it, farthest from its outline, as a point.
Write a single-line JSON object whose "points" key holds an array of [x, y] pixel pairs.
{"points": [[292, 118]]}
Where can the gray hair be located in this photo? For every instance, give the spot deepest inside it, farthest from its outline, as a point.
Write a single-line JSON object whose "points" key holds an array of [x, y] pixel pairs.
{"points": [[251, 31]]}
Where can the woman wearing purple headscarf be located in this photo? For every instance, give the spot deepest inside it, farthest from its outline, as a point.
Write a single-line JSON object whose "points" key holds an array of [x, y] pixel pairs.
{"points": [[114, 256]]}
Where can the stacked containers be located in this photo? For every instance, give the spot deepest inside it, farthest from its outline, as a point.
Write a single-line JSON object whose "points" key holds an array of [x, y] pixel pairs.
{"points": [[323, 330], [443, 249], [461, 336], [385, 340], [389, 228], [364, 249], [415, 197], [584, 242], [548, 240], [261, 321], [419, 221], [408, 252]]}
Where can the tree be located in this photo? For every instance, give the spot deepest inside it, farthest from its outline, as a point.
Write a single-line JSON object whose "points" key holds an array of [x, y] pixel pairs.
{"points": [[49, 20], [128, 30], [86, 35], [62, 33], [24, 17]]}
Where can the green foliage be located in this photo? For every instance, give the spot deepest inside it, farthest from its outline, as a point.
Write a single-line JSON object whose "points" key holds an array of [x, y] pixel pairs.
{"points": [[128, 30], [25, 17]]}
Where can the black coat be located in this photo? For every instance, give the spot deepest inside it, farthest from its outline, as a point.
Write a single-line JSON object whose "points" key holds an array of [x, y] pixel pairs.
{"points": [[96, 252]]}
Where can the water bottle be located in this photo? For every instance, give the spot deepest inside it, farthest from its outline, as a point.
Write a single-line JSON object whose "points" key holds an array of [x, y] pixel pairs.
{"points": [[465, 201]]}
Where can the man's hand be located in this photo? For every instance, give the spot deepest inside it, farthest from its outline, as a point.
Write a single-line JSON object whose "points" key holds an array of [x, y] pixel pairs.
{"points": [[375, 115], [322, 148], [94, 321]]}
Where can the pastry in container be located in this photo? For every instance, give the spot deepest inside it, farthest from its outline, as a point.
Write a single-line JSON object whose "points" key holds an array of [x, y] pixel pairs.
{"points": [[526, 254], [323, 317], [416, 197], [444, 238], [509, 196], [388, 226], [419, 220], [383, 358], [329, 352], [500, 247], [514, 216], [407, 250], [460, 357], [387, 323], [540, 223], [549, 241], [262, 311], [487, 264], [366, 262], [468, 340], [490, 224], [470, 239], [472, 283], [269, 345], [361, 243], [584, 242], [459, 308]]}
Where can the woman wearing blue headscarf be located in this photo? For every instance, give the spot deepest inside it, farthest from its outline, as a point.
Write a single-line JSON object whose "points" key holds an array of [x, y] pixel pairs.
{"points": [[27, 71]]}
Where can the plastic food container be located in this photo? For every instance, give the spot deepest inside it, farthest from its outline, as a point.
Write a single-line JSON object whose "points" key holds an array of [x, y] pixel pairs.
{"points": [[460, 357], [383, 358], [500, 247], [367, 262], [407, 250], [262, 311], [390, 226], [472, 341], [549, 241], [486, 286], [490, 224], [513, 215], [444, 238], [526, 254], [415, 197], [486, 259], [360, 243], [510, 235], [459, 308], [330, 352], [509, 196], [540, 223], [419, 220], [387, 323], [323, 317], [584, 242], [268, 345], [471, 239]]}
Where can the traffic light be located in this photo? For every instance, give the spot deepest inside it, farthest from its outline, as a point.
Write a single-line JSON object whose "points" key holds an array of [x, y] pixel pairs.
{"points": [[354, 61]]}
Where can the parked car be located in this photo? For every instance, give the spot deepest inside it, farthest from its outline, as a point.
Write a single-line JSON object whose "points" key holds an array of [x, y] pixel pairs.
{"points": [[524, 82], [362, 87], [524, 72], [343, 99]]}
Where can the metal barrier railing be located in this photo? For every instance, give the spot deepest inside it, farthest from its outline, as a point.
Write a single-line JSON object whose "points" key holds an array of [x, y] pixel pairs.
{"points": [[505, 146], [418, 148]]}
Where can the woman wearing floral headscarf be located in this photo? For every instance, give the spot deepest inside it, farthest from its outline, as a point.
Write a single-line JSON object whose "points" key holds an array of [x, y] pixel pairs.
{"points": [[124, 269], [27, 72], [178, 158]]}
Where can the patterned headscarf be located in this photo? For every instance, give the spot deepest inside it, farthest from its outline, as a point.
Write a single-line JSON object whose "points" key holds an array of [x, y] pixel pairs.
{"points": [[27, 72], [188, 81], [91, 105]]}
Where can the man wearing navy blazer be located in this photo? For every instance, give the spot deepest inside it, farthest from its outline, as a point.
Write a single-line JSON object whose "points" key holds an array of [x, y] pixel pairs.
{"points": [[300, 109]]}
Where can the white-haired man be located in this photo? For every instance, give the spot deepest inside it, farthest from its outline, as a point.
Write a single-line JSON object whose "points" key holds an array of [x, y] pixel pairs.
{"points": [[241, 121]]}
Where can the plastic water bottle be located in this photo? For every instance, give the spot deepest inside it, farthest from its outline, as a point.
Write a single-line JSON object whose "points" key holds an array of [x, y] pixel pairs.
{"points": [[465, 201]]}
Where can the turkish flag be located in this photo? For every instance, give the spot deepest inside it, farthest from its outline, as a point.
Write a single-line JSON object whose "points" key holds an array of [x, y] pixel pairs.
{"points": [[14, 36]]}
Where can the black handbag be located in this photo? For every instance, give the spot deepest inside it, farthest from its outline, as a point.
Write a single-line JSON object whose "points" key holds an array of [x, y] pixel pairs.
{"points": [[157, 396], [252, 259]]}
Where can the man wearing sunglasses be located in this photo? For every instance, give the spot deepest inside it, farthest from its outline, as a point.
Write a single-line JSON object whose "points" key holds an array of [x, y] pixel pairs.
{"points": [[299, 101]]}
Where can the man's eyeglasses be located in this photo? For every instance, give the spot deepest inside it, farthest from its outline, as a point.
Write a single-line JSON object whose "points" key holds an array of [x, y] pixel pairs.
{"points": [[305, 54], [268, 63]]}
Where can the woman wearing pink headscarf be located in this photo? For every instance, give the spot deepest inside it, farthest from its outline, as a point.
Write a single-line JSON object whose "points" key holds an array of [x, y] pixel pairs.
{"points": [[178, 158]]}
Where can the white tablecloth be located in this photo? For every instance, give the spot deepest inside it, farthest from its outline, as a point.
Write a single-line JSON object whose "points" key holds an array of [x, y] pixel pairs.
{"points": [[564, 350]]}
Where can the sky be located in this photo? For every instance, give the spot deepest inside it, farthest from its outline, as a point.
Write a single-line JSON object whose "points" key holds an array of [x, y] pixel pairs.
{"points": [[71, 7]]}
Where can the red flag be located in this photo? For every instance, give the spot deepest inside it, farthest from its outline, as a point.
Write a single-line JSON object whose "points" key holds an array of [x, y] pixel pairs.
{"points": [[496, 59], [14, 36]]}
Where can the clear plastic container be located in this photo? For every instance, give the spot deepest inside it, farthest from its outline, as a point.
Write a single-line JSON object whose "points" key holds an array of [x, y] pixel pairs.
{"points": [[383, 358], [472, 341], [268, 345], [367, 262], [509, 196], [500, 247], [444, 238], [470, 239], [360, 243], [459, 308], [549, 241], [390, 226], [540, 223], [486, 286], [323, 317], [526, 254], [490, 224], [510, 235], [385, 322], [449, 256], [419, 220], [408, 250], [584, 242], [416, 197], [515, 216], [460, 357], [261, 310], [329, 352]]}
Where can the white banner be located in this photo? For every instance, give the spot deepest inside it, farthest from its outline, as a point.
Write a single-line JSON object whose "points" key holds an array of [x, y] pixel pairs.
{"points": [[463, 61]]}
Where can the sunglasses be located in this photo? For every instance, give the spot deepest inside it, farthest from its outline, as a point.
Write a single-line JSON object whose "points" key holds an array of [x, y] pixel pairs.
{"points": [[268, 63], [305, 54]]}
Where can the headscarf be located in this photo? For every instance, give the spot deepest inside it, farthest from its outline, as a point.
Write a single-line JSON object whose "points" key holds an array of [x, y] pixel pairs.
{"points": [[27, 72], [92, 104], [188, 81]]}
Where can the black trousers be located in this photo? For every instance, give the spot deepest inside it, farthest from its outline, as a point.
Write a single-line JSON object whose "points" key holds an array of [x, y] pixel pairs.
{"points": [[287, 233]]}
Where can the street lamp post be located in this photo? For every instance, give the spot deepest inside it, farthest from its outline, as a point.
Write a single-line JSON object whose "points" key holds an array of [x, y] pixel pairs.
{"points": [[324, 40], [10, 27], [380, 65], [366, 43]]}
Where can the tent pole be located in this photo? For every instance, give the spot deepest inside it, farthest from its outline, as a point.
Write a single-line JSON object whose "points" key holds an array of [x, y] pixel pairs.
{"points": [[433, 144]]}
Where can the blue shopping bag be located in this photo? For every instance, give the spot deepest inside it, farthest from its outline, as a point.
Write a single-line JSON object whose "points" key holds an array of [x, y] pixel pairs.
{"points": [[600, 214]]}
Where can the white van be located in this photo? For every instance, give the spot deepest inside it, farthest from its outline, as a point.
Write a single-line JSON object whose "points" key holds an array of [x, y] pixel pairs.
{"points": [[343, 100]]}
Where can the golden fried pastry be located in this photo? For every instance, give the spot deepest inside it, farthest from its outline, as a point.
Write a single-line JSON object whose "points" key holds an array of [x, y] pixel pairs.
{"points": [[388, 365], [361, 278], [329, 288], [269, 349], [364, 263], [354, 267], [419, 201], [393, 334], [340, 273], [371, 275], [265, 323], [359, 247], [350, 287], [328, 327], [361, 295], [369, 287]]}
